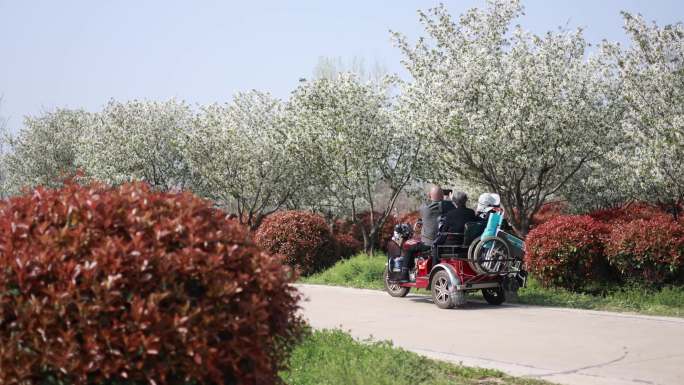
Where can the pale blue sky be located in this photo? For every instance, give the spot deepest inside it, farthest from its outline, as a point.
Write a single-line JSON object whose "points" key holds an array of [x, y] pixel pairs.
{"points": [[82, 53]]}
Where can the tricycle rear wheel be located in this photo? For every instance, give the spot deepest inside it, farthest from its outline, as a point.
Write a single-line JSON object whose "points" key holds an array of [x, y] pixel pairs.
{"points": [[394, 289], [441, 293], [494, 296]]}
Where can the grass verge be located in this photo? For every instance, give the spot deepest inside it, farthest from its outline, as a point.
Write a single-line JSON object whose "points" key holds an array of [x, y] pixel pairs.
{"points": [[363, 271], [360, 271], [333, 357]]}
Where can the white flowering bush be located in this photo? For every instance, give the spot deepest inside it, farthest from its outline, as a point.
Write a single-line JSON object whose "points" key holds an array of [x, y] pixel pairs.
{"points": [[518, 113], [652, 70], [647, 164], [350, 141], [138, 140], [44, 151], [490, 107], [241, 156]]}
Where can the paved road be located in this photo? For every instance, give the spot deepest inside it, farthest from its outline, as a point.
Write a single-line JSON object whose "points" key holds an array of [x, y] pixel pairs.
{"points": [[559, 345]]}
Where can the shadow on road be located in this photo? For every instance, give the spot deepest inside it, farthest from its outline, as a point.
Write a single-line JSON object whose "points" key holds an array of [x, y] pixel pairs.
{"points": [[470, 305]]}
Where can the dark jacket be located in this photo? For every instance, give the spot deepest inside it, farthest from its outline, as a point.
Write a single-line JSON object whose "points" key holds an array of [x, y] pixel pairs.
{"points": [[430, 214], [458, 217]]}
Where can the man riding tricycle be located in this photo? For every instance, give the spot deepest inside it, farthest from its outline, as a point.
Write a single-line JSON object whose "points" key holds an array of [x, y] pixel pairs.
{"points": [[467, 252]]}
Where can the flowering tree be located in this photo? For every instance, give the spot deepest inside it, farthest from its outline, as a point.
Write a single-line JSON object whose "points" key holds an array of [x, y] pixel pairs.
{"points": [[652, 70], [241, 156], [350, 141], [517, 113], [138, 140], [44, 151]]}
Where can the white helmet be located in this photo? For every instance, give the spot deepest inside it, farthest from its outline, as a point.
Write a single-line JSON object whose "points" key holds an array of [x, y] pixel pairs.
{"points": [[487, 201]]}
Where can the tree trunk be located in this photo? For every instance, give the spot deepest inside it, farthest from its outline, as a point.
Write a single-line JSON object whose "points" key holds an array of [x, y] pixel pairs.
{"points": [[367, 245], [524, 226], [371, 240]]}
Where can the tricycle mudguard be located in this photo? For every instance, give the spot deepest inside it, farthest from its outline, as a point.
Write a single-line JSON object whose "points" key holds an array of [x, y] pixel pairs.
{"points": [[457, 296]]}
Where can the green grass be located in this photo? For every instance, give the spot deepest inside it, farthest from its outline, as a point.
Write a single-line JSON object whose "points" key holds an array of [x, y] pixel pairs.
{"points": [[360, 271], [668, 301], [332, 357], [363, 271]]}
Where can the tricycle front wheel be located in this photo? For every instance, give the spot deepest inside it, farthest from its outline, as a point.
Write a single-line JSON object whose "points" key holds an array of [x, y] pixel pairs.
{"points": [[394, 289]]}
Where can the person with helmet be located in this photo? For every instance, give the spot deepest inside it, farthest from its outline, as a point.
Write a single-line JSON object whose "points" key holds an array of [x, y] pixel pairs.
{"points": [[403, 250], [486, 203]]}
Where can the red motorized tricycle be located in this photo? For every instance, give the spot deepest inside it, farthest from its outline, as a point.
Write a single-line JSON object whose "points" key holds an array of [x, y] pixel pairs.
{"points": [[483, 257]]}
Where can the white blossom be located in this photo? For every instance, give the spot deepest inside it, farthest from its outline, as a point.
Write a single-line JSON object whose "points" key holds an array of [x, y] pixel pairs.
{"points": [[652, 70], [517, 113], [138, 140], [45, 149], [351, 141], [241, 156]]}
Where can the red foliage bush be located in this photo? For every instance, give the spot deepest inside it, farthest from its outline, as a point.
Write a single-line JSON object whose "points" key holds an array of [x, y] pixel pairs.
{"points": [[548, 212], [386, 233], [565, 251], [114, 285], [411, 218], [648, 251], [302, 237], [347, 245], [628, 213], [347, 227]]}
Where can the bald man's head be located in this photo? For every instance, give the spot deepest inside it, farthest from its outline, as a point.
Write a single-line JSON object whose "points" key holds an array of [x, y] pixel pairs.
{"points": [[436, 193]]}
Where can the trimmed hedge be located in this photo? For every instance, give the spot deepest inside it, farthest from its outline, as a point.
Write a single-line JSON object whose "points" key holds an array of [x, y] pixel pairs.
{"points": [[129, 285], [347, 245], [565, 251], [649, 251], [302, 237]]}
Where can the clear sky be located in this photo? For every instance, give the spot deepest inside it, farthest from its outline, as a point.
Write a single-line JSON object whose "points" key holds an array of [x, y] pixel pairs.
{"points": [[80, 54]]}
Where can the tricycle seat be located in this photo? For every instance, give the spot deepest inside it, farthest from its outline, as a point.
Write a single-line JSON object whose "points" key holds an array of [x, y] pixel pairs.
{"points": [[456, 244]]}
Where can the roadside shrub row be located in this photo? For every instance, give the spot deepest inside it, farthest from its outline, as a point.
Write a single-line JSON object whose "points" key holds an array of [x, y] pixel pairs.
{"points": [[308, 243], [638, 243], [566, 250]]}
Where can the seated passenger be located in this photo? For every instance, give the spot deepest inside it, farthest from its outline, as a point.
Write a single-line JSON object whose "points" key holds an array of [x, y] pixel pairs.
{"points": [[458, 217], [453, 222], [431, 212]]}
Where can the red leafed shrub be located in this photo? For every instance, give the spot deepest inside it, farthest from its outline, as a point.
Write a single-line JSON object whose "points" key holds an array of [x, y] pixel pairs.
{"points": [[302, 237], [548, 212], [648, 251], [411, 218], [347, 245], [129, 285], [628, 213], [386, 232], [343, 226], [565, 251], [354, 230]]}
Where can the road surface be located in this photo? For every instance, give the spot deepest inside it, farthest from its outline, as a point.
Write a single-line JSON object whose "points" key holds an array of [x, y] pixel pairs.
{"points": [[559, 345]]}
